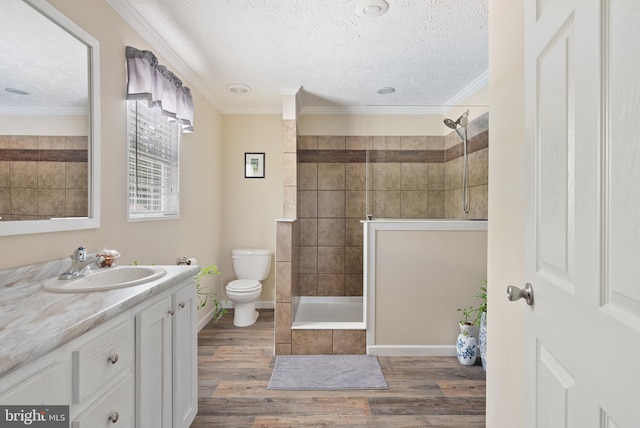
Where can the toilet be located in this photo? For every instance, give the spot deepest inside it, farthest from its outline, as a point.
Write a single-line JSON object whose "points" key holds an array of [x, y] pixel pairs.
{"points": [[250, 267]]}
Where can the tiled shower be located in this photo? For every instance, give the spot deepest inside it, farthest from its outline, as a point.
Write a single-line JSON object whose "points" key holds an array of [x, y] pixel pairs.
{"points": [[43, 177], [339, 180]]}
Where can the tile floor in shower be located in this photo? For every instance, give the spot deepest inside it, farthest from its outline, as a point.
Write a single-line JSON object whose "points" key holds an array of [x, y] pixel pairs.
{"points": [[329, 313]]}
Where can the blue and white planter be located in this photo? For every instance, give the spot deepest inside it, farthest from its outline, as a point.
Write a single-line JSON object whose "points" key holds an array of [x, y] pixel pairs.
{"points": [[482, 340], [466, 346]]}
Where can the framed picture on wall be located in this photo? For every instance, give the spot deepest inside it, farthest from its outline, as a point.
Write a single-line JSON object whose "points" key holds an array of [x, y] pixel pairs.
{"points": [[254, 165]]}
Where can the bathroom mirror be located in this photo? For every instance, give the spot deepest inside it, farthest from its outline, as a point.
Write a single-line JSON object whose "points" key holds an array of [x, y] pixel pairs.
{"points": [[49, 121]]}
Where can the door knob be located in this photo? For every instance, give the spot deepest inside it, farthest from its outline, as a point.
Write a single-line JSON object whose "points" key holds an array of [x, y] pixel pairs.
{"points": [[113, 417], [514, 293]]}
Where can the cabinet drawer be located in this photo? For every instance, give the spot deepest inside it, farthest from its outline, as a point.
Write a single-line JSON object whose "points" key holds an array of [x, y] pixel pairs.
{"points": [[102, 360], [48, 385], [113, 409]]}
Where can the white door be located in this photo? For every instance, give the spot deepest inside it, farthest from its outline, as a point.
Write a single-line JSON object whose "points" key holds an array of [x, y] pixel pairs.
{"points": [[582, 66]]}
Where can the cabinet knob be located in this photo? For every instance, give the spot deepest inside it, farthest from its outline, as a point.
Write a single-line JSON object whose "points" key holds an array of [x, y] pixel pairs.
{"points": [[171, 312], [113, 359], [181, 304], [114, 417]]}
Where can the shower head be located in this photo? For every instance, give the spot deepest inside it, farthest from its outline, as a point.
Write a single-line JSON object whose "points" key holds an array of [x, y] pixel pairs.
{"points": [[451, 124], [462, 121]]}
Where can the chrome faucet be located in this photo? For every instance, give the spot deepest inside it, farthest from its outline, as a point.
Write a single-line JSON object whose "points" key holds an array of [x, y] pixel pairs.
{"points": [[81, 265], [79, 255]]}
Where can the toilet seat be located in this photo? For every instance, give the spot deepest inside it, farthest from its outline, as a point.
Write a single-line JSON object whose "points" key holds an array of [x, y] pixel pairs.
{"points": [[244, 286]]}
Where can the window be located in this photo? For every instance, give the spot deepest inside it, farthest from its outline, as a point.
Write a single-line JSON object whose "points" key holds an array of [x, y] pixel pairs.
{"points": [[154, 148]]}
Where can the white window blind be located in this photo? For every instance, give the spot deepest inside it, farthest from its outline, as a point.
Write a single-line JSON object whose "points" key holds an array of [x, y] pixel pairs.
{"points": [[154, 147]]}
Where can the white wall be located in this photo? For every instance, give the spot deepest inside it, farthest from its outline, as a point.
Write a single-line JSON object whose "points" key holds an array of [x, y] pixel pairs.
{"points": [[370, 125], [374, 125], [251, 205], [506, 214], [74, 125], [198, 232]]}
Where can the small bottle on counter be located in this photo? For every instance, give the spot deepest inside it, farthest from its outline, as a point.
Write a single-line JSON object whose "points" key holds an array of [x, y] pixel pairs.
{"points": [[110, 257]]}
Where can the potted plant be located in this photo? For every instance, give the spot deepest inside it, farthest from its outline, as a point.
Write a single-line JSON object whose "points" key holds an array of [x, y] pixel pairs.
{"points": [[466, 343], [481, 321], [206, 293], [466, 326]]}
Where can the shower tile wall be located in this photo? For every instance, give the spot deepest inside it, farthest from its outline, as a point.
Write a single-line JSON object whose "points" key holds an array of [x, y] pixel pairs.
{"points": [[411, 177], [43, 177], [407, 177], [287, 246], [319, 243], [331, 187], [478, 151]]}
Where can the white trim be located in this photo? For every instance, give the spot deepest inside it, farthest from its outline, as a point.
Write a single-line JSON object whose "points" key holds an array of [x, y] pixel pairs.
{"points": [[480, 82], [205, 320], [45, 111], [412, 350], [354, 110], [229, 305], [93, 222], [266, 305], [253, 110], [260, 304]]}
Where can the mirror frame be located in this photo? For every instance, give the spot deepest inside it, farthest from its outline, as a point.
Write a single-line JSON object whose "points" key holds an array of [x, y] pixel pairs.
{"points": [[92, 221]]}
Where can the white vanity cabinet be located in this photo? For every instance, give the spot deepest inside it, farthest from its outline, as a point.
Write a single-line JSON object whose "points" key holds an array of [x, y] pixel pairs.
{"points": [[103, 378], [166, 362], [93, 374], [139, 369]]}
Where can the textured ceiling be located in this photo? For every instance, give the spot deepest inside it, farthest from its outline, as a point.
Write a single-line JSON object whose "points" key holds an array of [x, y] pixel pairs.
{"points": [[38, 57], [430, 51], [433, 52]]}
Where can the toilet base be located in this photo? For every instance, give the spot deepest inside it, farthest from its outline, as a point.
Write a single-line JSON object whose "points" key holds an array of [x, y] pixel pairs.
{"points": [[245, 314]]}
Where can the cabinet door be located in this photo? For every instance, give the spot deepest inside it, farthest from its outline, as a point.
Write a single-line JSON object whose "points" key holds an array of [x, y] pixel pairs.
{"points": [[153, 366], [185, 358]]}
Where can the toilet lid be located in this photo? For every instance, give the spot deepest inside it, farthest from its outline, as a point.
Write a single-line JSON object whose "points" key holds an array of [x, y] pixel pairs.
{"points": [[244, 285]]}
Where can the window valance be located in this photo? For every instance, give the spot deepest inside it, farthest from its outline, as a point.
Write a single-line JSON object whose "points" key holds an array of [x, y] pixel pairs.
{"points": [[150, 81]]}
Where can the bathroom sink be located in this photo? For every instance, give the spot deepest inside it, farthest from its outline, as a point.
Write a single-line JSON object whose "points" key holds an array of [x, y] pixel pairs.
{"points": [[106, 279]]}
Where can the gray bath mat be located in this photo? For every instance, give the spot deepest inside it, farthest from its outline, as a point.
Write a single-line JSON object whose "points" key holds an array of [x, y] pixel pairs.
{"points": [[327, 372]]}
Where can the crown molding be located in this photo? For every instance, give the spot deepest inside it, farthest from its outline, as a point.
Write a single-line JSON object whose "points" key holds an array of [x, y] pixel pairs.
{"points": [[138, 23]]}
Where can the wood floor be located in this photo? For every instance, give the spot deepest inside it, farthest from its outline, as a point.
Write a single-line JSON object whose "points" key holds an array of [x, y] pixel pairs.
{"points": [[235, 364]]}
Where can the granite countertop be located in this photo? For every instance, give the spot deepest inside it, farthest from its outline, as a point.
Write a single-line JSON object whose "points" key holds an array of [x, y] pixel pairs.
{"points": [[34, 322]]}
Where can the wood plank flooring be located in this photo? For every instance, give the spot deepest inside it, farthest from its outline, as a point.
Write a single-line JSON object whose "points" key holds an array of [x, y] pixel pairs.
{"points": [[235, 364]]}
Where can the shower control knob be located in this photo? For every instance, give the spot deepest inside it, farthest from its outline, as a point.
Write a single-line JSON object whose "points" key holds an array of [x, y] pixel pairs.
{"points": [[514, 293]]}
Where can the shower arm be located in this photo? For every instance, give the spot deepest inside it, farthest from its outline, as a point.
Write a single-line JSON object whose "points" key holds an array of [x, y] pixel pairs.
{"points": [[465, 175]]}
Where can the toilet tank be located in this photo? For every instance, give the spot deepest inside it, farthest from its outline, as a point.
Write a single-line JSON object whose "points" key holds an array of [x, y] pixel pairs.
{"points": [[251, 263]]}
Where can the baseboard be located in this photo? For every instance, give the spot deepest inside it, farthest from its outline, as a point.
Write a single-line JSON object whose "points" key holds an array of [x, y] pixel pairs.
{"points": [[229, 305], [205, 320], [259, 305], [265, 305], [412, 350]]}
